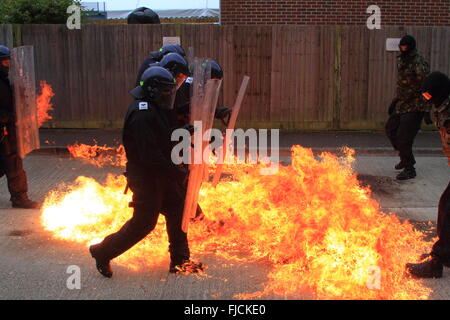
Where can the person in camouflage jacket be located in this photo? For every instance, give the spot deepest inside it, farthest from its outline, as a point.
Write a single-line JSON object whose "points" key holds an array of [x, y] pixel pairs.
{"points": [[408, 108], [436, 89], [412, 70]]}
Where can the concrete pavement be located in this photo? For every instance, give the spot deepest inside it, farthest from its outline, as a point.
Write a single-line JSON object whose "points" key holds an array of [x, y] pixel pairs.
{"points": [[427, 142], [33, 265]]}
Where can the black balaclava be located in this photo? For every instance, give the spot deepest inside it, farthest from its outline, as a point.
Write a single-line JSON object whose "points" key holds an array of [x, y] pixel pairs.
{"points": [[410, 43], [436, 87]]}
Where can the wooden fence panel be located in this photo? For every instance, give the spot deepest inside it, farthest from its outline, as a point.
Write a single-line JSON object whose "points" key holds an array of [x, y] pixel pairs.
{"points": [[382, 66], [302, 77], [6, 35]]}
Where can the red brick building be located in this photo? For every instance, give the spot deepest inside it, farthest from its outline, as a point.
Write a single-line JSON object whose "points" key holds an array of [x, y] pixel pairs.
{"points": [[344, 12]]}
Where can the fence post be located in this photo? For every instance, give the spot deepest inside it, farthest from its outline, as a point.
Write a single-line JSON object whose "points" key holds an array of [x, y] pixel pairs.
{"points": [[337, 79], [17, 35], [6, 35]]}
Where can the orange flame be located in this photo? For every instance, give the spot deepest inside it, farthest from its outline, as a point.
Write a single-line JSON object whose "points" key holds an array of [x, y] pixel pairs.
{"points": [[43, 103], [98, 155], [312, 222]]}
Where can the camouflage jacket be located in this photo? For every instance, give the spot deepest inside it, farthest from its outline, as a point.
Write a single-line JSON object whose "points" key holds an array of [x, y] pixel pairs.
{"points": [[411, 73], [441, 117]]}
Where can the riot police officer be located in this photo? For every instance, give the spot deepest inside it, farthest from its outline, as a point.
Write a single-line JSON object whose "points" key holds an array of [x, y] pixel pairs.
{"points": [[10, 162], [157, 56], [177, 65], [152, 176], [183, 97]]}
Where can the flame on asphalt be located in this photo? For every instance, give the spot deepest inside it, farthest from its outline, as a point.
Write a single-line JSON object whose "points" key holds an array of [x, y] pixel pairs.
{"points": [[313, 223]]}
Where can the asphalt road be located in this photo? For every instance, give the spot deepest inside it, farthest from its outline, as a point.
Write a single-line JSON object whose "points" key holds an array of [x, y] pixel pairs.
{"points": [[34, 265]]}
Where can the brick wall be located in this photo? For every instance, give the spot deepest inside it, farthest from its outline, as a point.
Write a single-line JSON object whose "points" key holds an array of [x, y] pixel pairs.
{"points": [[344, 12]]}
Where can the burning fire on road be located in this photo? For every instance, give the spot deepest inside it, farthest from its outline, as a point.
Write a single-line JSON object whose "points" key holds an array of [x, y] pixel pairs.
{"points": [[312, 222], [99, 155]]}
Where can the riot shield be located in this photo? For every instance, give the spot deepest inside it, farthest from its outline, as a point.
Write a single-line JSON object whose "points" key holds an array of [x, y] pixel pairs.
{"points": [[23, 82], [203, 106]]}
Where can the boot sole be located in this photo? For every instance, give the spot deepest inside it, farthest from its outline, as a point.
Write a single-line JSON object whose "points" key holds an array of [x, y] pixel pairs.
{"points": [[406, 178], [23, 207], [97, 265]]}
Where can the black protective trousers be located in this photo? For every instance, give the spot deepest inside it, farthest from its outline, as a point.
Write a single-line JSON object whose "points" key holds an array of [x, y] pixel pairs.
{"points": [[401, 130], [441, 249], [151, 196], [11, 165]]}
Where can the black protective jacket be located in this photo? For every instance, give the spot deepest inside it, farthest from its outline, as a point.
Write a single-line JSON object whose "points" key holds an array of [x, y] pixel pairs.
{"points": [[182, 103], [147, 140], [6, 103], [183, 97]]}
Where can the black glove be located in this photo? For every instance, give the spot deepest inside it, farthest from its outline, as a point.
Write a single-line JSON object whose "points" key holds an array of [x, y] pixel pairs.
{"points": [[391, 109], [427, 118], [187, 127], [222, 113], [7, 117]]}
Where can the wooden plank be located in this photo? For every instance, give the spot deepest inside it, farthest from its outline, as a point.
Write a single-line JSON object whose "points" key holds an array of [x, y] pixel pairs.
{"points": [[325, 87], [354, 64], [337, 79], [382, 73], [231, 126]]}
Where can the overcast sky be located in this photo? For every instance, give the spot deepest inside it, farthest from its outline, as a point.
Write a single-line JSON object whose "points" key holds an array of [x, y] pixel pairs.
{"points": [[154, 4]]}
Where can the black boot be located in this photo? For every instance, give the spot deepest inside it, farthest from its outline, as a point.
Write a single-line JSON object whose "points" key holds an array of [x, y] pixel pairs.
{"points": [[430, 269], [399, 166], [23, 202], [407, 174], [186, 267], [103, 266]]}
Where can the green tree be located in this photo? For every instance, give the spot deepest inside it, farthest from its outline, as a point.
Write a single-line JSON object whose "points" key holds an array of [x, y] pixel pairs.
{"points": [[35, 11]]}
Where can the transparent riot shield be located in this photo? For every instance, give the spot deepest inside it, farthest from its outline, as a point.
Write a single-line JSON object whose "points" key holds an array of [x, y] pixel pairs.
{"points": [[205, 93], [22, 78]]}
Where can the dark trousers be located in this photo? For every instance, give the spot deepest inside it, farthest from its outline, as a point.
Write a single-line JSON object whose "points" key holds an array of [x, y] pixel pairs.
{"points": [[441, 248], [11, 165], [151, 197], [401, 130]]}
